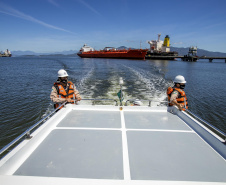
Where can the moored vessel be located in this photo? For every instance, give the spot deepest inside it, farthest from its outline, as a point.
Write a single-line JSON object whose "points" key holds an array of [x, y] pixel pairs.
{"points": [[111, 52], [161, 49]]}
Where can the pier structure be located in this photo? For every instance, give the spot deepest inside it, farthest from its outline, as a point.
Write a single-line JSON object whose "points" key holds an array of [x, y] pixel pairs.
{"points": [[185, 58], [192, 55], [195, 58], [212, 58]]}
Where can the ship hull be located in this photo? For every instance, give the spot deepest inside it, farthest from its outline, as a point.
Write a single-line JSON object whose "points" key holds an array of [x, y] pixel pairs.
{"points": [[124, 54], [161, 55]]}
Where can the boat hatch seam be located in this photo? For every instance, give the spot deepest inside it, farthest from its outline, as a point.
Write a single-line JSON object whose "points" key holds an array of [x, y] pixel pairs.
{"points": [[126, 165], [123, 129], [160, 130], [86, 128], [91, 109]]}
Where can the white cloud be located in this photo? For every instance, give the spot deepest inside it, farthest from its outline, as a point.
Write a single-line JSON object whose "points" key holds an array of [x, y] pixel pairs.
{"points": [[13, 12], [88, 6], [217, 25], [178, 43], [53, 2]]}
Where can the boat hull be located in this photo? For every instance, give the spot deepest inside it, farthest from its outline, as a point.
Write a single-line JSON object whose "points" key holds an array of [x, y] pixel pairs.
{"points": [[4, 55], [124, 54]]}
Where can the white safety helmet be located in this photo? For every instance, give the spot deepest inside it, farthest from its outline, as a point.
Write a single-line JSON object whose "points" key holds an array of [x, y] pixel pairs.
{"points": [[62, 73], [179, 79]]}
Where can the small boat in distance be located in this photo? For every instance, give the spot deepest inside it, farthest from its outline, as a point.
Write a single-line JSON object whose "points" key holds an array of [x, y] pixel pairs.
{"points": [[111, 52], [6, 53]]}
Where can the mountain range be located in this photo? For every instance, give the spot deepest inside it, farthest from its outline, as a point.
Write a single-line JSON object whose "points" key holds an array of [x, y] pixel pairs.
{"points": [[200, 52], [21, 53], [181, 52]]}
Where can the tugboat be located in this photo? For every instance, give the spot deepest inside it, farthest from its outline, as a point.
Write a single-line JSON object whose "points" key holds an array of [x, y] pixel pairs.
{"points": [[111, 52], [6, 53]]}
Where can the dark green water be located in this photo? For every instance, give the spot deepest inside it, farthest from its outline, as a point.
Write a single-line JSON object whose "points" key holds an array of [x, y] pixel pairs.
{"points": [[27, 81]]}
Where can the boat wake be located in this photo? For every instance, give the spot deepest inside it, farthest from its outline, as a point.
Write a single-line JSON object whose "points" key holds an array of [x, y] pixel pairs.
{"points": [[100, 80]]}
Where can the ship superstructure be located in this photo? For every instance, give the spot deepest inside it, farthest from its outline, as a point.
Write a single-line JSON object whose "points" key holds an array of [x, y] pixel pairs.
{"points": [[160, 49], [86, 48], [159, 45]]}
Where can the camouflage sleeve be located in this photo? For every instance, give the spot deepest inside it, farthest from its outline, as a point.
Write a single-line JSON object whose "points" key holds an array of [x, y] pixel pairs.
{"points": [[174, 96], [77, 93]]}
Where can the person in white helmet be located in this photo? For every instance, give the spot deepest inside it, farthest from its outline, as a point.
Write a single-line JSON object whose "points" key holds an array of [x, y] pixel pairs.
{"points": [[176, 94], [64, 90]]}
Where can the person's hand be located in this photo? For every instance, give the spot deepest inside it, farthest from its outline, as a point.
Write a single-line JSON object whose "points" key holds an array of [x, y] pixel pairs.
{"points": [[78, 98], [69, 100], [180, 106]]}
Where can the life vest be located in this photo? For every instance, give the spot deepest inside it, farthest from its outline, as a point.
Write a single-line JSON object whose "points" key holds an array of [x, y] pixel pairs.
{"points": [[62, 93], [182, 98]]}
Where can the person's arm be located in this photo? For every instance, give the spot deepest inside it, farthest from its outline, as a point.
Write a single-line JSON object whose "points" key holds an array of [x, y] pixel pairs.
{"points": [[173, 100], [77, 95]]}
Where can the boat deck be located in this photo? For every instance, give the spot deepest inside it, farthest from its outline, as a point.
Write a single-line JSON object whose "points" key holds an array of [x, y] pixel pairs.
{"points": [[103, 144]]}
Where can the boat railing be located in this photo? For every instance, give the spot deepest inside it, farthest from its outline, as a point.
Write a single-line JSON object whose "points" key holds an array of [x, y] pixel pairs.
{"points": [[96, 100], [218, 132], [149, 101], [130, 100], [27, 133]]}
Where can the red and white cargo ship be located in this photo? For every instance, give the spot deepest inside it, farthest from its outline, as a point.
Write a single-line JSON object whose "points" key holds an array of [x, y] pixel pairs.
{"points": [[111, 52]]}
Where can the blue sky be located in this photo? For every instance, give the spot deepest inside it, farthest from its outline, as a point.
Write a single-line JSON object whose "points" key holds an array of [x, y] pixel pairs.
{"points": [[59, 25]]}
